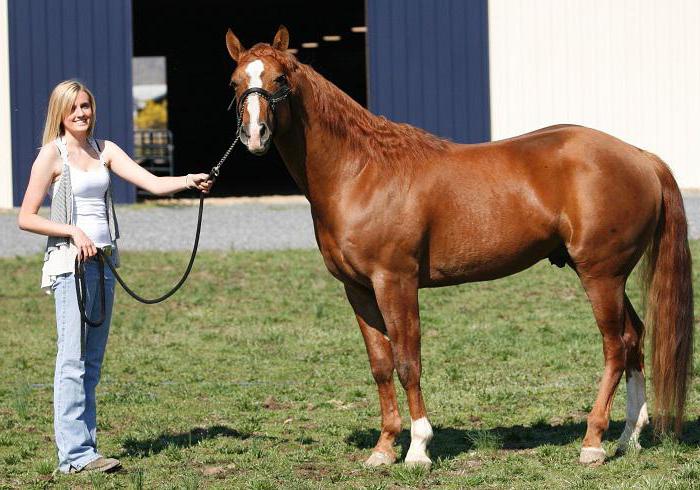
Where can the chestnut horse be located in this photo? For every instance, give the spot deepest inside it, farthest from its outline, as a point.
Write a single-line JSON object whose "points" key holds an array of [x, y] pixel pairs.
{"points": [[396, 209]]}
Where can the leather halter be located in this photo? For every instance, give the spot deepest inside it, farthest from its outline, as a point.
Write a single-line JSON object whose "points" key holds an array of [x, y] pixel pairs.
{"points": [[272, 99]]}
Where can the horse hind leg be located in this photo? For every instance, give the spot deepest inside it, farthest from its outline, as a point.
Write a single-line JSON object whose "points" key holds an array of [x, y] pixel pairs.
{"points": [[637, 416], [381, 362], [607, 299]]}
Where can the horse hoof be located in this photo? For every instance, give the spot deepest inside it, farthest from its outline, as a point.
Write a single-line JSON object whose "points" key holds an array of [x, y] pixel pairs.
{"points": [[418, 460], [627, 447], [593, 456], [378, 459]]}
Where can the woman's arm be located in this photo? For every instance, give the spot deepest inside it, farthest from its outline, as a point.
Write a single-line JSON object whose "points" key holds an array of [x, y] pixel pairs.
{"points": [[44, 171], [129, 170]]}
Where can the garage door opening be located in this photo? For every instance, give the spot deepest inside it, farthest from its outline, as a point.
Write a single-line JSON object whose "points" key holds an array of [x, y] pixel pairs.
{"points": [[190, 40]]}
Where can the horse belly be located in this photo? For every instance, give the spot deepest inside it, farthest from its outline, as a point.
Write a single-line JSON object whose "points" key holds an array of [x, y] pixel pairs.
{"points": [[458, 256]]}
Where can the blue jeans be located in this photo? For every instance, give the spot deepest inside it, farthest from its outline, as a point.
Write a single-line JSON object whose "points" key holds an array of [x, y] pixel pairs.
{"points": [[76, 377]]}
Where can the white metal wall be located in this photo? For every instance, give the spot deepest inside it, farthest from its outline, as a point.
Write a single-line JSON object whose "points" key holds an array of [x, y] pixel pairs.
{"points": [[630, 68], [5, 132]]}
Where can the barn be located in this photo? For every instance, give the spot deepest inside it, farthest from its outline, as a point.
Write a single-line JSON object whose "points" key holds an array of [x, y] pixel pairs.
{"points": [[468, 70]]}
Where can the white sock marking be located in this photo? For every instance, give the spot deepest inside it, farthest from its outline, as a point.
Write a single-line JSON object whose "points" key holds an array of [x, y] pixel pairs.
{"points": [[254, 70], [421, 434], [637, 414]]}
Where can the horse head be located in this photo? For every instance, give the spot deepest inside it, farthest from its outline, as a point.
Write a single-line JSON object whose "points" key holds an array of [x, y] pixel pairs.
{"points": [[261, 82]]}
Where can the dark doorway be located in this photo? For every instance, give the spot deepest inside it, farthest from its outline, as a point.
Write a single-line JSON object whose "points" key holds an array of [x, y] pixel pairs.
{"points": [[191, 37]]}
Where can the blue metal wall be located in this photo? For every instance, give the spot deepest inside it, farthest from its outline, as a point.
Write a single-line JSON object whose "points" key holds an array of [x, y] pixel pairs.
{"points": [[428, 65], [53, 40]]}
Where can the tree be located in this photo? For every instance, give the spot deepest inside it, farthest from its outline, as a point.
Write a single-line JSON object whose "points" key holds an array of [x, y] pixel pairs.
{"points": [[154, 115]]}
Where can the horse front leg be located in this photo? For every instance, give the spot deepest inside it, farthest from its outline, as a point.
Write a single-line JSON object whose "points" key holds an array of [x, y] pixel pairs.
{"points": [[381, 361], [397, 298]]}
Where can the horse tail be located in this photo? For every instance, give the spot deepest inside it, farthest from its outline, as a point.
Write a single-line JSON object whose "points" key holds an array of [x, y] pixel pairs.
{"points": [[669, 305]]}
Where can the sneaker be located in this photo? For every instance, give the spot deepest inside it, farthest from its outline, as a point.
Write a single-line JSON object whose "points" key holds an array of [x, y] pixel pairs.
{"points": [[101, 464]]}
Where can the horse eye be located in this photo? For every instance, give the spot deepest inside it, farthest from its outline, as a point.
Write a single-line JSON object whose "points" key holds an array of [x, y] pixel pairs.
{"points": [[282, 79]]}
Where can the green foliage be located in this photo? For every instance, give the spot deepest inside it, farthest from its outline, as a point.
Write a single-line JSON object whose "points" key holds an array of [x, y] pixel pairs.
{"points": [[483, 440], [136, 479], [45, 467], [154, 115], [21, 400], [255, 376]]}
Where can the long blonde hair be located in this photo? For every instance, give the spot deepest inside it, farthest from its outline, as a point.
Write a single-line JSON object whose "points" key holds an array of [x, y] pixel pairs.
{"points": [[60, 104]]}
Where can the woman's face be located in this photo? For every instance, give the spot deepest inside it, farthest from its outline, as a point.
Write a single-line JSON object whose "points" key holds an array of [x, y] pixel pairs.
{"points": [[80, 115]]}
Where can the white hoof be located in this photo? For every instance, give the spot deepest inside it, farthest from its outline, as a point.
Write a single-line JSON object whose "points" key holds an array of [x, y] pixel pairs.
{"points": [[418, 460], [592, 455], [379, 459]]}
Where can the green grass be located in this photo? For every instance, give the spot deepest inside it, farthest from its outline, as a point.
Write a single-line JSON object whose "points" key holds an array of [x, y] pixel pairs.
{"points": [[255, 376]]}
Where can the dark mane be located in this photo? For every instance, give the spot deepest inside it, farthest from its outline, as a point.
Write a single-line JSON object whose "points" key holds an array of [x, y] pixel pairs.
{"points": [[367, 133]]}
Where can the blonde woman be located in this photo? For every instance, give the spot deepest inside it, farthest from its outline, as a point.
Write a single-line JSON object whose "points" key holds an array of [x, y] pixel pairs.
{"points": [[75, 170]]}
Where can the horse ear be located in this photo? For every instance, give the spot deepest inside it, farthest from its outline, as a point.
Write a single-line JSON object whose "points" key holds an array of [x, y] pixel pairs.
{"points": [[235, 48], [281, 41]]}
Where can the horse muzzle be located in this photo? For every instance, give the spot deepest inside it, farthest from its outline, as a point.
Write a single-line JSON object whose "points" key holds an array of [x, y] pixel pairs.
{"points": [[256, 139]]}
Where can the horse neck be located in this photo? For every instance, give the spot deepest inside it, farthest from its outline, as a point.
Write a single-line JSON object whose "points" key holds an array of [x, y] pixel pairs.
{"points": [[320, 159]]}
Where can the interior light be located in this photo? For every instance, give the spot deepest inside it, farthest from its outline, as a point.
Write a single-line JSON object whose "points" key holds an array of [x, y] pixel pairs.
{"points": [[359, 29], [331, 38], [293, 50], [309, 45]]}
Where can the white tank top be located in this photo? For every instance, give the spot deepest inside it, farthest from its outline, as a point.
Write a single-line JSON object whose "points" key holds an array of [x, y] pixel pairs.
{"points": [[89, 208], [90, 211]]}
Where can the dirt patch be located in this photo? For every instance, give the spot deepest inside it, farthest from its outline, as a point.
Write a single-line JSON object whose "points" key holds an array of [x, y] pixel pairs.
{"points": [[311, 471], [271, 403], [218, 471]]}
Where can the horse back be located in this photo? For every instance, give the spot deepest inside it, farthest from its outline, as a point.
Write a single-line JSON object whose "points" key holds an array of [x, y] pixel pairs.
{"points": [[498, 208]]}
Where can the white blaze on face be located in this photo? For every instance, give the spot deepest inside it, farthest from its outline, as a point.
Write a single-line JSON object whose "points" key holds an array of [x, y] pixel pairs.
{"points": [[254, 70]]}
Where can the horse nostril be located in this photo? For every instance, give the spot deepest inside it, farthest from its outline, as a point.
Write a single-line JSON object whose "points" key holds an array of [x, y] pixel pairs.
{"points": [[263, 130]]}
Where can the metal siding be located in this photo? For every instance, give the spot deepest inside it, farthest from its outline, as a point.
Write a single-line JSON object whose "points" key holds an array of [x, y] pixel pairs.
{"points": [[54, 31], [52, 40], [398, 51], [5, 126], [414, 91], [461, 66], [478, 33], [630, 68], [22, 70], [428, 65], [428, 62], [120, 88], [442, 78]]}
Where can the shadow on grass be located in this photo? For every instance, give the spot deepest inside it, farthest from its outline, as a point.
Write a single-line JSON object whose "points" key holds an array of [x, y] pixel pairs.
{"points": [[450, 442], [146, 447]]}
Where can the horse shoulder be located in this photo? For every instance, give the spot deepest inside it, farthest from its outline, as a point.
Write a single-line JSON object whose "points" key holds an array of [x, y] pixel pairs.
{"points": [[372, 227]]}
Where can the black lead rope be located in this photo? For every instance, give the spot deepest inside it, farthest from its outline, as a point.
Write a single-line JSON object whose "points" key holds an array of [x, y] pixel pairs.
{"points": [[81, 293], [102, 257]]}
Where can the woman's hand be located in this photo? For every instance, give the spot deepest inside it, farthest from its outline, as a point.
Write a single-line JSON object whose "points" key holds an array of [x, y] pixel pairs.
{"points": [[199, 182], [86, 248]]}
